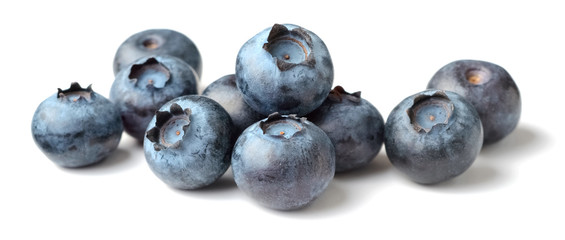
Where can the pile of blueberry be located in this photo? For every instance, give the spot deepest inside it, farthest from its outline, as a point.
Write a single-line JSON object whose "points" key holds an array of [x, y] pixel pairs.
{"points": [[277, 121]]}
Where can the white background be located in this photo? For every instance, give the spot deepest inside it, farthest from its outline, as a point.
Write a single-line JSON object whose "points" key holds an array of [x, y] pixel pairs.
{"points": [[386, 50]]}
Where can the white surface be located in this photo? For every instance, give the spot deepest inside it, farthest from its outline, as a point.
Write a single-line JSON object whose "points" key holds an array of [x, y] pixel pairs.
{"points": [[387, 50]]}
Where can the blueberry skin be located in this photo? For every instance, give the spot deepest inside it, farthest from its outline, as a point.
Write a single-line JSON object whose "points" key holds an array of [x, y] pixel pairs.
{"points": [[489, 88], [354, 125], [200, 152], [157, 42], [285, 69], [432, 153], [138, 98], [283, 162], [76, 127], [225, 92]]}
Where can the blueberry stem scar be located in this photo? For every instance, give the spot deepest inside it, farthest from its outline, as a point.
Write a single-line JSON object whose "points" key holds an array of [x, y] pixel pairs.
{"points": [[299, 44], [75, 93], [278, 125], [474, 79], [150, 44], [150, 73], [478, 76]]}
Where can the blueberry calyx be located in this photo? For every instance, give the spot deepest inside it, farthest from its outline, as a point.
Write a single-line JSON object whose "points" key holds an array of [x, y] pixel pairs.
{"points": [[290, 48], [282, 126], [150, 75], [170, 127], [338, 93], [75, 93], [428, 111]]}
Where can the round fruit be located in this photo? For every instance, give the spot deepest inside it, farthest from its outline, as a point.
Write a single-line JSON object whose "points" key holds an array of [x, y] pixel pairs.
{"points": [[489, 88], [157, 42], [354, 125], [76, 127], [146, 84], [433, 136], [189, 142], [225, 92], [285, 69], [283, 162]]}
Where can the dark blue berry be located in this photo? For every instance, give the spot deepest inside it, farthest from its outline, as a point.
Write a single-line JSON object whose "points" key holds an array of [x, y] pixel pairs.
{"points": [[225, 92], [76, 127], [157, 42], [354, 125], [283, 162], [433, 136], [189, 141], [489, 88], [285, 69], [145, 85]]}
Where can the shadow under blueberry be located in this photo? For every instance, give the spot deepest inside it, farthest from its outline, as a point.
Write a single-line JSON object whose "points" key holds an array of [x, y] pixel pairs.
{"points": [[342, 192], [328, 203], [118, 161], [378, 165], [524, 140], [224, 183], [493, 167], [478, 177], [225, 186]]}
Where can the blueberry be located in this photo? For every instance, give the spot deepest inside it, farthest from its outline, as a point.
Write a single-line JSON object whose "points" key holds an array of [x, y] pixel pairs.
{"points": [[283, 162], [225, 92], [76, 127], [141, 88], [157, 42], [433, 136], [489, 88], [354, 125], [189, 141], [285, 69]]}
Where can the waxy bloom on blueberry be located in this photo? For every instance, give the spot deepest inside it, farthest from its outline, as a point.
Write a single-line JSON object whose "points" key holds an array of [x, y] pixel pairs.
{"points": [[283, 162], [140, 89], [285, 69], [188, 142], [354, 125], [433, 136], [225, 92], [489, 88], [76, 127], [157, 42]]}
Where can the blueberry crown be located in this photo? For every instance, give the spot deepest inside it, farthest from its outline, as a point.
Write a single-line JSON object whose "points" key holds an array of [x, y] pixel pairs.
{"points": [[298, 36], [174, 122], [338, 93], [76, 93], [282, 126], [150, 74], [428, 111]]}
